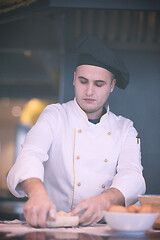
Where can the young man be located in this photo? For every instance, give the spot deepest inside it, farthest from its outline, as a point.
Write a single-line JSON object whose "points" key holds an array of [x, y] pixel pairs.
{"points": [[79, 156]]}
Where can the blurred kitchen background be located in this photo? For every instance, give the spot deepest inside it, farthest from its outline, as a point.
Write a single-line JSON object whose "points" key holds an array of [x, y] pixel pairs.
{"points": [[37, 39]]}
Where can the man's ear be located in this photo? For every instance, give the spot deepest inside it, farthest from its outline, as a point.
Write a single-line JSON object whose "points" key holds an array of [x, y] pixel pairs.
{"points": [[113, 85], [74, 78]]}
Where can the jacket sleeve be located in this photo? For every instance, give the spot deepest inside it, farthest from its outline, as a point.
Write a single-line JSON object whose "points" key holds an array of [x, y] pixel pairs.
{"points": [[129, 178], [33, 154]]}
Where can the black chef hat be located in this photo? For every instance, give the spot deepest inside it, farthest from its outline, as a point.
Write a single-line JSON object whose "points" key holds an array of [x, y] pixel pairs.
{"points": [[92, 51]]}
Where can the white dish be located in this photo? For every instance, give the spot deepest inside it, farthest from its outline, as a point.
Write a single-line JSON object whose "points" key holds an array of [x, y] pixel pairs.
{"points": [[130, 222], [130, 235]]}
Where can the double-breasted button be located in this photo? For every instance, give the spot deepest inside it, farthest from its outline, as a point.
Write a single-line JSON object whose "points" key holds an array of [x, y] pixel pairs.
{"points": [[78, 157], [79, 130], [109, 133], [79, 184], [106, 160], [103, 186]]}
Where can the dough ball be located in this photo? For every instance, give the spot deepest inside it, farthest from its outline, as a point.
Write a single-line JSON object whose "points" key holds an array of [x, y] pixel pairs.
{"points": [[64, 219], [117, 208], [62, 213], [133, 209]]}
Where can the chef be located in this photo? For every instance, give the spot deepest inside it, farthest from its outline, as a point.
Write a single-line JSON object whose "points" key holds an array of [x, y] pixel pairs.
{"points": [[80, 157]]}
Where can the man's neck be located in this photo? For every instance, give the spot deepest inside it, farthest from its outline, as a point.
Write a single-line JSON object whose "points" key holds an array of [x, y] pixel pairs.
{"points": [[95, 115], [96, 120]]}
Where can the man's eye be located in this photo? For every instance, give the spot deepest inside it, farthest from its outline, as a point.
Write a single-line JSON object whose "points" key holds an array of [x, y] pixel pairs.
{"points": [[99, 84], [83, 82]]}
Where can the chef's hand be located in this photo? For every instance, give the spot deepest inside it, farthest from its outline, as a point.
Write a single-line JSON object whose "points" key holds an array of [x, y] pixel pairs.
{"points": [[39, 207], [93, 210], [95, 206]]}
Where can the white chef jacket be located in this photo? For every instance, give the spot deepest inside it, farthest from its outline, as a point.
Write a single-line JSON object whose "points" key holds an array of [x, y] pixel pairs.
{"points": [[77, 159]]}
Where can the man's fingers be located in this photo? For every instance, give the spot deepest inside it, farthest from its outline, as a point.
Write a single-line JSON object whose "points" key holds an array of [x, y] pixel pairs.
{"points": [[44, 215], [88, 217], [79, 208], [52, 214], [89, 220], [42, 218], [91, 216], [89, 210], [31, 217], [37, 217]]}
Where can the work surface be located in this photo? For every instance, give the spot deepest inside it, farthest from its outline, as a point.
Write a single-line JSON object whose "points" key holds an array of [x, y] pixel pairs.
{"points": [[20, 230]]}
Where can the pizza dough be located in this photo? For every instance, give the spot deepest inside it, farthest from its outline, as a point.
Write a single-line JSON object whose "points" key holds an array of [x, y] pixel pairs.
{"points": [[64, 219]]}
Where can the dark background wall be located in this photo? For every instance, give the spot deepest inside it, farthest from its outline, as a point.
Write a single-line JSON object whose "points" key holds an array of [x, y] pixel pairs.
{"points": [[140, 102]]}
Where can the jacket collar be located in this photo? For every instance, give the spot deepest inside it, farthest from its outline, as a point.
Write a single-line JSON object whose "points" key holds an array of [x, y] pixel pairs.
{"points": [[78, 110]]}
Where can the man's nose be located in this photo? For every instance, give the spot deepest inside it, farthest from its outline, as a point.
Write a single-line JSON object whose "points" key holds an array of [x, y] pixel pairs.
{"points": [[90, 90]]}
